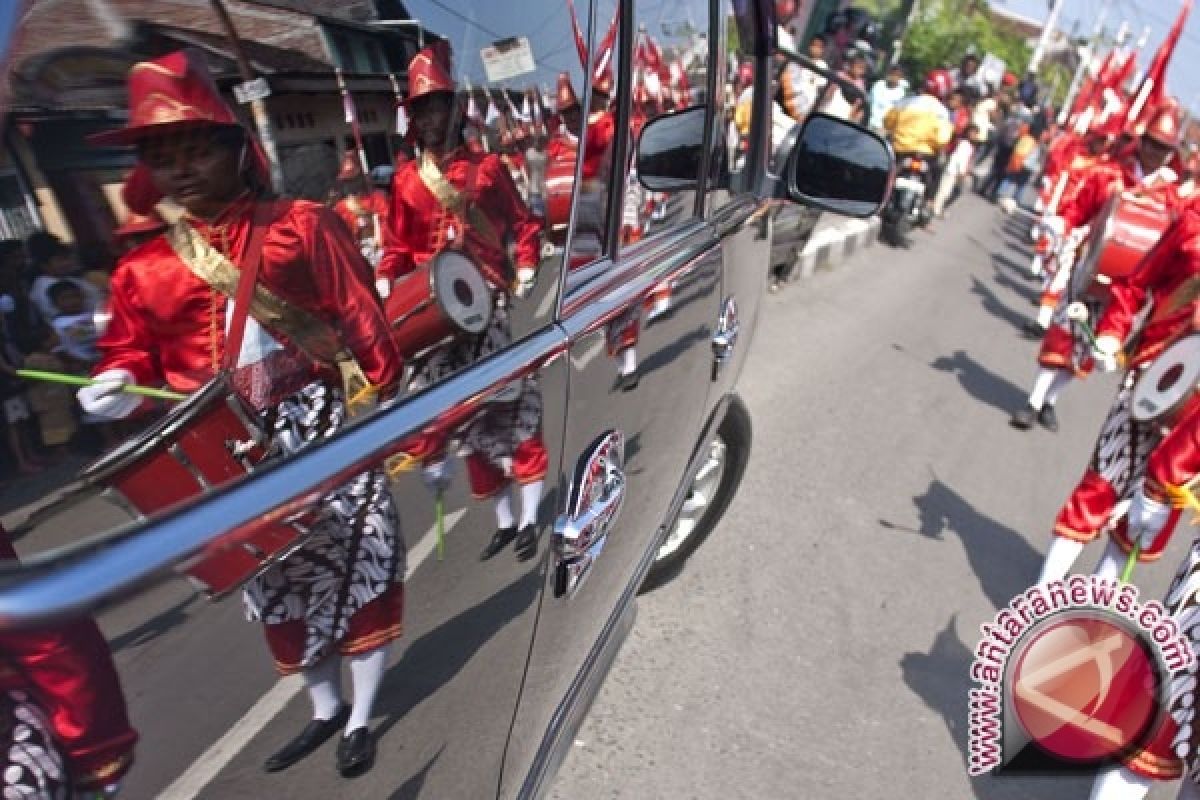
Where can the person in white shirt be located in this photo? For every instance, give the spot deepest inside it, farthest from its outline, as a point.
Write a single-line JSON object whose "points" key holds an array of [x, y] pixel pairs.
{"points": [[55, 262], [957, 166], [800, 88], [74, 326], [885, 93]]}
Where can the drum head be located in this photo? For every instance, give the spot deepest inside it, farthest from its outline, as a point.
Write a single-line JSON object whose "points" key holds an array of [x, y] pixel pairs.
{"points": [[1169, 381], [461, 291]]}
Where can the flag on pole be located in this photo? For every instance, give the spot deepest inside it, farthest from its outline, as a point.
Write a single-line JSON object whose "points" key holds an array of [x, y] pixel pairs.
{"points": [[1153, 89]]}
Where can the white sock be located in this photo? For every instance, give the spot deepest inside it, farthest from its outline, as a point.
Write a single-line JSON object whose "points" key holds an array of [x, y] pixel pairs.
{"points": [[1041, 385], [366, 671], [531, 495], [1045, 316], [1119, 783], [1112, 563], [1062, 379], [324, 684], [1059, 558], [504, 509], [628, 361]]}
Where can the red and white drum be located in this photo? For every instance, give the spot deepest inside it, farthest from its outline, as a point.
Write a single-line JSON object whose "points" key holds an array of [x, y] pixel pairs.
{"points": [[1121, 235], [560, 188], [1167, 389], [206, 441], [445, 297]]}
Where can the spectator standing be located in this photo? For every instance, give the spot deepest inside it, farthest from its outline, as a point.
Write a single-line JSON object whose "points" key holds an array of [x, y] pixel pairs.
{"points": [[984, 117], [957, 167], [800, 88], [1007, 135], [52, 262], [885, 94], [836, 103]]}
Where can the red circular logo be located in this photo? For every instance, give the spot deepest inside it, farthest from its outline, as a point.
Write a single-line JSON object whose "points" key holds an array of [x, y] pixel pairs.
{"points": [[1085, 689]]}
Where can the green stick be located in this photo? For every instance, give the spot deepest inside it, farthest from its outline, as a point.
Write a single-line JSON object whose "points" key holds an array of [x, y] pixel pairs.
{"points": [[1127, 573], [79, 380]]}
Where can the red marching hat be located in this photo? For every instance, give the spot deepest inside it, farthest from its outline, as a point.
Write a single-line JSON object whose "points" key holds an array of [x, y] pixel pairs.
{"points": [[565, 98], [1164, 126], [171, 94], [429, 72]]}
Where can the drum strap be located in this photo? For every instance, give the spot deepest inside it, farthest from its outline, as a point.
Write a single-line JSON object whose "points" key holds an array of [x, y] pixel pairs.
{"points": [[315, 337], [456, 202]]}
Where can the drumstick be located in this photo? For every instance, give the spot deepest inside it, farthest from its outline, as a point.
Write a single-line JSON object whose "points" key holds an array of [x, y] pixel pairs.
{"points": [[79, 380], [1127, 573]]}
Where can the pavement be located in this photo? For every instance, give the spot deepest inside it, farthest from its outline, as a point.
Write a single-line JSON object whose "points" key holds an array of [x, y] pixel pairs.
{"points": [[818, 645]]}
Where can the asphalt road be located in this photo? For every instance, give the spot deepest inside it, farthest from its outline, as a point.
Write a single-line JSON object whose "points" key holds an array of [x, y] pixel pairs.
{"points": [[818, 645]]}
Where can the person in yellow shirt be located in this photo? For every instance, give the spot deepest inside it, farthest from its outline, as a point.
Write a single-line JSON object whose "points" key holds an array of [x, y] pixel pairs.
{"points": [[921, 124]]}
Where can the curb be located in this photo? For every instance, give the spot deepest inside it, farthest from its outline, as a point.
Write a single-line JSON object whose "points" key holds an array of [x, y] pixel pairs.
{"points": [[834, 244]]}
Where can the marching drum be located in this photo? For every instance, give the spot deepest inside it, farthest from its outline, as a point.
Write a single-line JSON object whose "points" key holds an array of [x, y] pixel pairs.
{"points": [[446, 296], [560, 187], [1167, 388], [206, 441], [1123, 232]]}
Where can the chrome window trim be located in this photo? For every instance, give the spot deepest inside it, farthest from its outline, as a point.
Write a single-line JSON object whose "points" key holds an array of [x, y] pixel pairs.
{"points": [[81, 577]]}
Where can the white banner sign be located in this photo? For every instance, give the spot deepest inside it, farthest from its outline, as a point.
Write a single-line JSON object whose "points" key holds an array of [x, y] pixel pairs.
{"points": [[507, 58]]}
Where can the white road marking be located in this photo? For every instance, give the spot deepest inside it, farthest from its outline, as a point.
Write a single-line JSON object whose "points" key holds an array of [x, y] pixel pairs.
{"points": [[216, 757]]}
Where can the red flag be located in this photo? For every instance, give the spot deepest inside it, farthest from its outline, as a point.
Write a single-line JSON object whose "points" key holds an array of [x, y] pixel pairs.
{"points": [[580, 42], [1153, 89]]}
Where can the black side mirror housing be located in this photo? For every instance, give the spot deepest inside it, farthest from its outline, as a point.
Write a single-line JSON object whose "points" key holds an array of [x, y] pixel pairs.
{"points": [[838, 166], [670, 150]]}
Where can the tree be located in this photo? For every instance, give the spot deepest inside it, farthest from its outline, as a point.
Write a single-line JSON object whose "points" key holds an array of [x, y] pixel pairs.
{"points": [[943, 30]]}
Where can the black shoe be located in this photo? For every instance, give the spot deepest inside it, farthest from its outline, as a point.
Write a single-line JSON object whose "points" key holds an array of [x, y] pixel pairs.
{"points": [[356, 753], [315, 734], [1048, 418], [629, 382], [1024, 418], [526, 546], [500, 540], [1033, 330]]}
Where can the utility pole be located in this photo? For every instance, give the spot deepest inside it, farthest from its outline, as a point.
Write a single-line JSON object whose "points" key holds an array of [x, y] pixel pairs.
{"points": [[258, 107], [1039, 52]]}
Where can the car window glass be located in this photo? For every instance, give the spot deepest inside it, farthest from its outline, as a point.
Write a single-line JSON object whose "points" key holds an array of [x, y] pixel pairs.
{"points": [[670, 74], [737, 109], [387, 183]]}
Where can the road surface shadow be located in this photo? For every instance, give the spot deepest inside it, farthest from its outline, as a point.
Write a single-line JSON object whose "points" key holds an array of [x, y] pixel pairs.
{"points": [[1000, 557], [941, 678], [156, 626], [432, 661], [1032, 293], [980, 382], [411, 788], [992, 304], [1004, 261]]}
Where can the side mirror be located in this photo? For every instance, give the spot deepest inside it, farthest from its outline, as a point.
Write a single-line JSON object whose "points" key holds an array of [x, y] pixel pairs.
{"points": [[840, 167], [670, 150]]}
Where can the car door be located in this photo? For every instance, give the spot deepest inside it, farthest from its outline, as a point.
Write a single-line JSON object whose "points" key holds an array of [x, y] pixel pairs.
{"points": [[640, 322], [196, 677]]}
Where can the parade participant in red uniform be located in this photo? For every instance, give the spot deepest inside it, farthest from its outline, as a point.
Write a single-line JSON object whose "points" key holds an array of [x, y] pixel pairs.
{"points": [[363, 210], [1065, 350], [452, 198], [341, 593], [64, 729], [1169, 280]]}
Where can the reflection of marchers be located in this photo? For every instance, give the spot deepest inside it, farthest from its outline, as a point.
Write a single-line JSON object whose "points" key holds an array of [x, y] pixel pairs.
{"points": [[1076, 660]]}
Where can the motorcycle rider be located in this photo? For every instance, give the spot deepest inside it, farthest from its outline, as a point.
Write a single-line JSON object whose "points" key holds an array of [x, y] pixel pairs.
{"points": [[921, 125]]}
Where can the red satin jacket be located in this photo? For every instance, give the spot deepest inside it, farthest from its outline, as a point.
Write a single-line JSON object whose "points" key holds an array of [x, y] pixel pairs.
{"points": [[1170, 276], [168, 326], [1097, 184], [67, 670], [418, 227], [1176, 461], [358, 220]]}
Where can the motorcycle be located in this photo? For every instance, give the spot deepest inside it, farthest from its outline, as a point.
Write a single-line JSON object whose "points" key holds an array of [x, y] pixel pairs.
{"points": [[906, 208]]}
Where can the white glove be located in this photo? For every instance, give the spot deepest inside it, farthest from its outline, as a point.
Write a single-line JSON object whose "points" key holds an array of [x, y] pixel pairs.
{"points": [[1147, 518], [105, 398], [1105, 352], [384, 287], [437, 475], [1055, 225], [526, 278]]}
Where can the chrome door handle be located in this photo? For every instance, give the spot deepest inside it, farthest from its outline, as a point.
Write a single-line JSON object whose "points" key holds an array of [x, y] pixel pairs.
{"points": [[596, 499], [726, 335]]}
